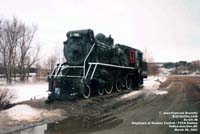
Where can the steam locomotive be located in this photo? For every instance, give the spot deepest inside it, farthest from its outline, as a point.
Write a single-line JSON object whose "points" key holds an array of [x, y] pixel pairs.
{"points": [[94, 65]]}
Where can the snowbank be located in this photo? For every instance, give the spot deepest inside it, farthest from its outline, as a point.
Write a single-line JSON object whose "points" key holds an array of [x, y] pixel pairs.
{"points": [[151, 85], [24, 112], [153, 82], [28, 113]]}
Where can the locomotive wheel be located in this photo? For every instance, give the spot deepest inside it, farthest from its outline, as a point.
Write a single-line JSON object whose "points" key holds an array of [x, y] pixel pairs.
{"points": [[87, 92], [119, 86], [129, 83], [100, 91], [109, 88]]}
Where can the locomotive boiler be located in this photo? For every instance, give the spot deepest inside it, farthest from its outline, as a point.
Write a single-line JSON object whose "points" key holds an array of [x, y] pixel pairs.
{"points": [[94, 65]]}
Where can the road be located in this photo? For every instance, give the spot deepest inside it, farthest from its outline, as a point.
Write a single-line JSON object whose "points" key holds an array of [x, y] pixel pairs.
{"points": [[183, 96]]}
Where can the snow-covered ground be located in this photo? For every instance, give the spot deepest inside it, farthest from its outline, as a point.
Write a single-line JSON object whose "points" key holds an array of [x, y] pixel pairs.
{"points": [[24, 92]]}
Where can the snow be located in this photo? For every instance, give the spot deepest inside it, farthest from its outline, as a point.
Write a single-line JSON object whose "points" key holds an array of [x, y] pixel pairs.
{"points": [[35, 130], [28, 91], [132, 94], [153, 82], [150, 87], [25, 112]]}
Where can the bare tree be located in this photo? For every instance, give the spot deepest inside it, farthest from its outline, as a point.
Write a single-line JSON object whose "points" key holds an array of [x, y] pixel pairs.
{"points": [[50, 63], [27, 54], [16, 48], [8, 45], [53, 59], [152, 67]]}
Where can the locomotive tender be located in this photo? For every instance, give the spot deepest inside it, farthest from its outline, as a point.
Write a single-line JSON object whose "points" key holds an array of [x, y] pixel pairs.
{"points": [[94, 65]]}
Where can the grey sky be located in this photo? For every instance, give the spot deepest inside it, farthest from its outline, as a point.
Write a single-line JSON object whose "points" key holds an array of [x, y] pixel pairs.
{"points": [[169, 29]]}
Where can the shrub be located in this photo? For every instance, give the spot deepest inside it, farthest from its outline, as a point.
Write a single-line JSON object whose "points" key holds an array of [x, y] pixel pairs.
{"points": [[5, 98], [152, 69]]}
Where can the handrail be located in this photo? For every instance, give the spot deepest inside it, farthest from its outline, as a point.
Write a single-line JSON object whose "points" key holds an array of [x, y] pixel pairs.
{"points": [[72, 76], [87, 71], [110, 65], [73, 66], [93, 72], [103, 44], [87, 58], [58, 70]]}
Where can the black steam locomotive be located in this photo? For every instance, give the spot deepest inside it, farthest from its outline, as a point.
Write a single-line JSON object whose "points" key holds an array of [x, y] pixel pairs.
{"points": [[94, 65]]}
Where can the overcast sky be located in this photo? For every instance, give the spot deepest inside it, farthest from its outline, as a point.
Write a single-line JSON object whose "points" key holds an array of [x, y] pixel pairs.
{"points": [[169, 29]]}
